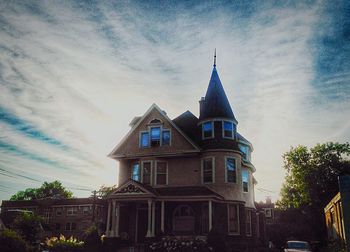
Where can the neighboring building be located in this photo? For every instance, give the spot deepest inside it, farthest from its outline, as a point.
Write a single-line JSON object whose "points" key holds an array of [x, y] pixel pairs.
{"points": [[337, 213], [70, 217], [185, 176], [269, 210]]}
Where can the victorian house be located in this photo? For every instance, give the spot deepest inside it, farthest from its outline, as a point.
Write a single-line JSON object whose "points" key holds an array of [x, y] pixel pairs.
{"points": [[185, 176]]}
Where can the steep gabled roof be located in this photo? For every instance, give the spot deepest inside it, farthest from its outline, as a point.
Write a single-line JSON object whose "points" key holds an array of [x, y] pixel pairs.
{"points": [[187, 122], [134, 127], [216, 104]]}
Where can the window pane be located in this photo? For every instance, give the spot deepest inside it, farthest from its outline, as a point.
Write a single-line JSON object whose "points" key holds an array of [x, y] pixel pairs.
{"points": [[207, 171], [155, 133], [155, 136], [207, 129], [165, 137], [231, 170], [136, 172], [233, 219], [245, 180], [248, 219], [228, 129], [161, 173], [144, 139], [245, 150], [146, 173]]}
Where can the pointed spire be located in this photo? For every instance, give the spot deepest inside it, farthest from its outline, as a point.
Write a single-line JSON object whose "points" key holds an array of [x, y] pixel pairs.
{"points": [[214, 58]]}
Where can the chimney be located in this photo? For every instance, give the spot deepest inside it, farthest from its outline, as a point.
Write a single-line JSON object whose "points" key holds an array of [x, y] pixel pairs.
{"points": [[201, 105]]}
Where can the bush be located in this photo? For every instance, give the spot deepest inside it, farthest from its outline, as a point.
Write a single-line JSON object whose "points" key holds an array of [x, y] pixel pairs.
{"points": [[216, 240], [29, 226], [61, 244], [178, 245], [92, 241], [10, 241]]}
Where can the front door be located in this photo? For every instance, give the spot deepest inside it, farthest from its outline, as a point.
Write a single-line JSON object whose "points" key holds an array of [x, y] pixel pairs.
{"points": [[141, 225]]}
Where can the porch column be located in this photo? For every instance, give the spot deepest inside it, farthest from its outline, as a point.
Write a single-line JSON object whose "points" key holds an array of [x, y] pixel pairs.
{"points": [[108, 219], [153, 217], [116, 231], [113, 218], [210, 217], [149, 218], [162, 216]]}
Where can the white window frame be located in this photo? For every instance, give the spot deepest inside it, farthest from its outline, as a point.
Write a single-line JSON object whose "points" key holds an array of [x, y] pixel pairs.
{"points": [[161, 136], [226, 176], [71, 212], [223, 130], [132, 170], [212, 130], [140, 140], [248, 190], [156, 172], [151, 170], [213, 169], [247, 158], [250, 223], [88, 210], [228, 219]]}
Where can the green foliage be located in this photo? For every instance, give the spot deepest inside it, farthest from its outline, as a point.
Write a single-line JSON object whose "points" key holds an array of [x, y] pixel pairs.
{"points": [[29, 226], [10, 241], [61, 244], [312, 174], [52, 189], [104, 191]]}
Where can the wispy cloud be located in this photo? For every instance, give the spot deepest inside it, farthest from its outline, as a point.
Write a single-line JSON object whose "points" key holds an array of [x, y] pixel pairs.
{"points": [[73, 74]]}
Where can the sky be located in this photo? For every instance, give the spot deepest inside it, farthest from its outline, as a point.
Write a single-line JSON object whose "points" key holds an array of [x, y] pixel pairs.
{"points": [[73, 74]]}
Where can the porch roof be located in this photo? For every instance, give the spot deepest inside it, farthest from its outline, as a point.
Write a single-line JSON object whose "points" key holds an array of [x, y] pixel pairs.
{"points": [[186, 191]]}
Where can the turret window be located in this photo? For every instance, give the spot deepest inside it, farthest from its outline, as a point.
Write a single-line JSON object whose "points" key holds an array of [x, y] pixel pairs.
{"points": [[227, 130], [230, 170], [207, 130], [208, 170], [245, 180]]}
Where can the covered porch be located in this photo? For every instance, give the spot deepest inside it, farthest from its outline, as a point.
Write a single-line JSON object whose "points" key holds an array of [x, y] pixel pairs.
{"points": [[136, 213]]}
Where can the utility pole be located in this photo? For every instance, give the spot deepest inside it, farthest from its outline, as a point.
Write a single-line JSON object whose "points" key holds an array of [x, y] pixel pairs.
{"points": [[94, 193]]}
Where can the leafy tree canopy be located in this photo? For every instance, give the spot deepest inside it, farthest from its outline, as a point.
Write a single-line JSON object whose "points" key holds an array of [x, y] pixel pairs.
{"points": [[47, 190], [104, 191], [29, 226], [312, 174]]}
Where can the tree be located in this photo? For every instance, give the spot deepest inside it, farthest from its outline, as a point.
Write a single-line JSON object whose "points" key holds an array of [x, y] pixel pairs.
{"points": [[312, 174], [10, 241], [104, 191], [29, 226], [310, 183], [47, 190]]}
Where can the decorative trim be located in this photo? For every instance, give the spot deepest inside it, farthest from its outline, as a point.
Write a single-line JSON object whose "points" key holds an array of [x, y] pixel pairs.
{"points": [[130, 189]]}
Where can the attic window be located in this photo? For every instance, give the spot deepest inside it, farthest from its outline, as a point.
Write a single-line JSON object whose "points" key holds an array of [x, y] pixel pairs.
{"points": [[155, 121], [155, 136]]}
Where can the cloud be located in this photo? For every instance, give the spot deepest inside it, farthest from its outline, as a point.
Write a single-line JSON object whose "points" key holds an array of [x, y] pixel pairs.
{"points": [[73, 74]]}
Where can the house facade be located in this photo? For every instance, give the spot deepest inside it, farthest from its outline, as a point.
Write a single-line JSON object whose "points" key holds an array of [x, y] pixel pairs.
{"points": [[185, 176], [70, 217]]}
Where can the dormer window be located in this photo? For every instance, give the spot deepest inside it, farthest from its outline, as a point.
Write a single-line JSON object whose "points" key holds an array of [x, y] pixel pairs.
{"points": [[207, 130], [155, 136], [246, 153], [227, 130]]}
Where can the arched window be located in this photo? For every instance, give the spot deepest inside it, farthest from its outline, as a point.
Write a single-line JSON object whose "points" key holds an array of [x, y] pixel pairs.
{"points": [[183, 219]]}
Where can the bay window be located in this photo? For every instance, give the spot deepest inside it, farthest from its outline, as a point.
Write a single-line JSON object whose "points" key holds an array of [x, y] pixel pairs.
{"points": [[245, 180], [161, 173], [146, 172], [136, 172]]}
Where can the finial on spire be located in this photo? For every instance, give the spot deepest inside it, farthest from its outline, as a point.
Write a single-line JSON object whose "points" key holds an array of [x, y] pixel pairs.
{"points": [[215, 58]]}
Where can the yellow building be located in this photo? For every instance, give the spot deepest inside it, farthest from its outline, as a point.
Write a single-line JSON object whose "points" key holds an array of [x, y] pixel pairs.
{"points": [[334, 219]]}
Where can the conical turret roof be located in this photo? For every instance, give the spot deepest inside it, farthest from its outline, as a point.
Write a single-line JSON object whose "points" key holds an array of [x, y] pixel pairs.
{"points": [[215, 103]]}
